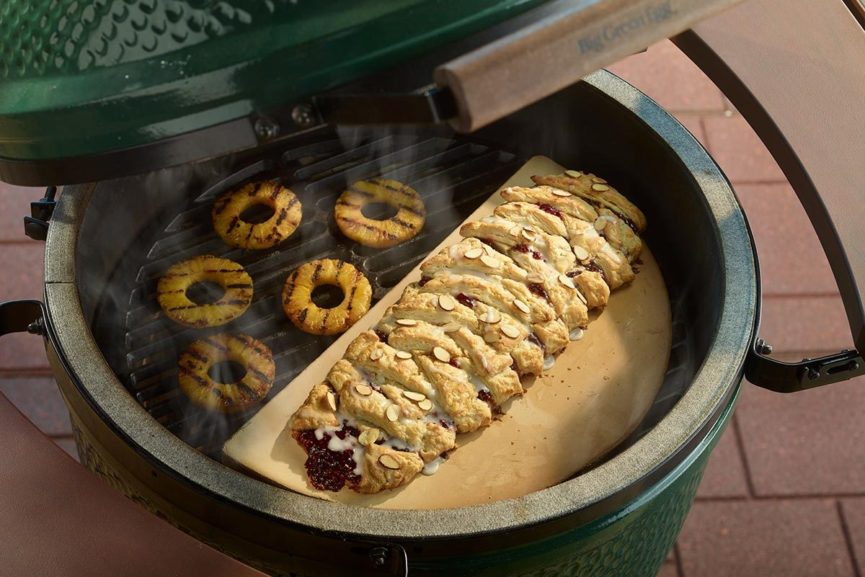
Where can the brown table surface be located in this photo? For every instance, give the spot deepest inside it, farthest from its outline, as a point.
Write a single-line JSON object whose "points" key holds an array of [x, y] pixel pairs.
{"points": [[58, 519]]}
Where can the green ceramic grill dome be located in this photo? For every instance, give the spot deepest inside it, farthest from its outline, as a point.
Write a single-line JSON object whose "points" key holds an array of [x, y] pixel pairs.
{"points": [[81, 78]]}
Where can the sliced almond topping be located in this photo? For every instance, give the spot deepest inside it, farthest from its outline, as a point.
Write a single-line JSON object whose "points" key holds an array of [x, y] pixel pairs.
{"points": [[388, 462], [522, 306], [447, 302], [441, 354], [490, 261], [528, 234], [425, 405], [600, 224], [574, 173], [413, 396], [375, 354], [363, 390], [581, 253], [451, 327], [405, 355], [392, 413], [474, 252], [560, 192], [406, 322], [582, 298], [331, 401], [510, 331], [368, 437], [492, 316], [488, 249], [566, 280], [598, 179], [600, 187], [535, 278]]}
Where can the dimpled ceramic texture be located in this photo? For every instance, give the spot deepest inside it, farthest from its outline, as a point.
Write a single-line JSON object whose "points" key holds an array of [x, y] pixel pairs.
{"points": [[84, 77]]}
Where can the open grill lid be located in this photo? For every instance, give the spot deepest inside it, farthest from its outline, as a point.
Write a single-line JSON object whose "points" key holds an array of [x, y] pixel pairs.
{"points": [[107, 88], [97, 90]]}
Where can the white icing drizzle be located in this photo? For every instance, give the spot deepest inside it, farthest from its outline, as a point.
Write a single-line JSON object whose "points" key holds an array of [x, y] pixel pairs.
{"points": [[611, 252], [433, 466], [357, 457], [319, 432], [338, 445], [477, 382], [398, 444]]}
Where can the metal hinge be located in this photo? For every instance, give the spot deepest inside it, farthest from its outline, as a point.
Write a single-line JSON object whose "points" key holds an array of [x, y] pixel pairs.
{"points": [[784, 377], [36, 225]]}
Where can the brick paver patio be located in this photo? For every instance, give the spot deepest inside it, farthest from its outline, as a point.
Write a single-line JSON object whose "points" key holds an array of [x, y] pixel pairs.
{"points": [[784, 494]]}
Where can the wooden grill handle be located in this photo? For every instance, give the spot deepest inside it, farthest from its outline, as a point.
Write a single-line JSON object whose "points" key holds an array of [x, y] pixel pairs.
{"points": [[572, 39]]}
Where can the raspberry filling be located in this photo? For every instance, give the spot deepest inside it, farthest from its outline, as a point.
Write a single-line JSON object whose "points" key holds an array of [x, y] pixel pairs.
{"points": [[538, 289], [487, 397], [423, 280], [382, 336], [466, 300], [524, 248], [549, 209], [329, 470], [593, 266], [533, 338]]}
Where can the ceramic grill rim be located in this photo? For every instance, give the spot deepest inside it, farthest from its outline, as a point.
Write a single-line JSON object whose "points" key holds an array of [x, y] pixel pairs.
{"points": [[711, 389]]}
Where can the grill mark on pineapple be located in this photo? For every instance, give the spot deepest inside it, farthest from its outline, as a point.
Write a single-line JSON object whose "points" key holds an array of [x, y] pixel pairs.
{"points": [[233, 223], [403, 223]]}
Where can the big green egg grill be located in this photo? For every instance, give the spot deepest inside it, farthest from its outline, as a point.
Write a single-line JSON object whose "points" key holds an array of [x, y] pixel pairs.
{"points": [[143, 110]]}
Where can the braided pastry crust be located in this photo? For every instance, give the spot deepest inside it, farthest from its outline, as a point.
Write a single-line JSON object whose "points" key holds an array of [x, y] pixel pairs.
{"points": [[451, 352]]}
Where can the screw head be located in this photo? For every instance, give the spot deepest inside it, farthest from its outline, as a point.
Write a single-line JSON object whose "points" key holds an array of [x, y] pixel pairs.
{"points": [[266, 129], [763, 347], [378, 556], [303, 115], [37, 327]]}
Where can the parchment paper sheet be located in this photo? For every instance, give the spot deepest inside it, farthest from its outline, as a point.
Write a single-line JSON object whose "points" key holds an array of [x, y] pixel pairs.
{"points": [[595, 395]]}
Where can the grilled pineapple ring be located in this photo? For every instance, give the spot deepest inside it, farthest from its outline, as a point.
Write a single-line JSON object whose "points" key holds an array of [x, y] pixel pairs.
{"points": [[228, 209], [180, 277], [309, 317], [405, 224], [197, 361]]}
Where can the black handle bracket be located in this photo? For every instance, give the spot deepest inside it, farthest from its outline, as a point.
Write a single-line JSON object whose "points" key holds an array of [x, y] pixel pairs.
{"points": [[783, 377], [41, 211], [22, 316]]}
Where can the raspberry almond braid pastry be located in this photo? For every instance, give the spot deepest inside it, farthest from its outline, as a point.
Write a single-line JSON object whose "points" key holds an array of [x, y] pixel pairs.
{"points": [[454, 350]]}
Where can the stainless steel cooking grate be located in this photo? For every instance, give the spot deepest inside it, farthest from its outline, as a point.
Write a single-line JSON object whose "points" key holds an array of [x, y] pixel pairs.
{"points": [[452, 176]]}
